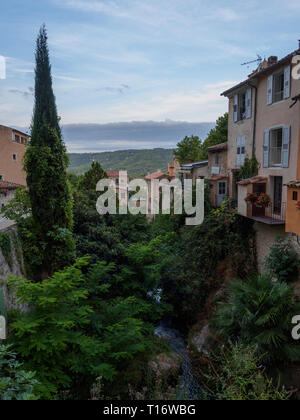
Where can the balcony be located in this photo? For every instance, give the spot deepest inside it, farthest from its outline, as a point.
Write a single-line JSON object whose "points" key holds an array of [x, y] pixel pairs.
{"points": [[271, 215]]}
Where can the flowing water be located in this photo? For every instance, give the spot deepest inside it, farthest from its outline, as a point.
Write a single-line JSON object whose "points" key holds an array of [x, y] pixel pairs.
{"points": [[188, 385]]}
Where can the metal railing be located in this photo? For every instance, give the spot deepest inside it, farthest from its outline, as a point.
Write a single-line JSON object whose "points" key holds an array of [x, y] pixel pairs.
{"points": [[272, 214]]}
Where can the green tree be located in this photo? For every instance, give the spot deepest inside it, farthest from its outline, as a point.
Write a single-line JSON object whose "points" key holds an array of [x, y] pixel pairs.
{"points": [[188, 150], [217, 135], [90, 179], [45, 164]]}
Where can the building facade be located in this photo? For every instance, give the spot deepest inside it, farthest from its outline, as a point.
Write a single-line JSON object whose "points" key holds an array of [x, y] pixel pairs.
{"points": [[218, 174], [12, 149], [264, 124]]}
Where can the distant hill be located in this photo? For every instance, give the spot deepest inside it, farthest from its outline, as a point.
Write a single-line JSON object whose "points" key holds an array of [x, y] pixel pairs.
{"points": [[136, 162]]}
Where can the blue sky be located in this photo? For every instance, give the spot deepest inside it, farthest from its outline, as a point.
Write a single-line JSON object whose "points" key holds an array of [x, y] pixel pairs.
{"points": [[136, 60]]}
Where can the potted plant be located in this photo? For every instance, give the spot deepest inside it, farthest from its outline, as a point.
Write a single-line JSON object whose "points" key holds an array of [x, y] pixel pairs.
{"points": [[263, 200], [251, 198]]}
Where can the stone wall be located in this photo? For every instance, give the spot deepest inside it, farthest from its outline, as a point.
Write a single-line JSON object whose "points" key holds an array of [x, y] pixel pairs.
{"points": [[12, 264], [265, 238]]}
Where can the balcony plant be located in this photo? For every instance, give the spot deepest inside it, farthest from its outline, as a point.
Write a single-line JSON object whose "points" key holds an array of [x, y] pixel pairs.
{"points": [[251, 198], [263, 200]]}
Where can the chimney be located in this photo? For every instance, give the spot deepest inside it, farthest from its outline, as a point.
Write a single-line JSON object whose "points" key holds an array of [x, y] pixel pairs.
{"points": [[272, 60]]}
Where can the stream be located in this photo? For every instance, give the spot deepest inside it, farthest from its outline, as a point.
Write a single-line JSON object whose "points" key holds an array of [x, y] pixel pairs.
{"points": [[188, 385]]}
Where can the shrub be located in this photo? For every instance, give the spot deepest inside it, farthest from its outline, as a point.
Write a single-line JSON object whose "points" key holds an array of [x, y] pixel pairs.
{"points": [[15, 383], [283, 262], [236, 373], [259, 311]]}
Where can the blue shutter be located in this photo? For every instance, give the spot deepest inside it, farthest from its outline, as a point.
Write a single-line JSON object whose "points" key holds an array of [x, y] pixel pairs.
{"points": [[235, 108], [287, 82], [266, 151], [243, 152], [270, 90], [248, 103], [238, 151], [286, 146]]}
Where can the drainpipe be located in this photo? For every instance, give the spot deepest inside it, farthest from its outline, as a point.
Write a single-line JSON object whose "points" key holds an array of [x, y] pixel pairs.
{"points": [[254, 118]]}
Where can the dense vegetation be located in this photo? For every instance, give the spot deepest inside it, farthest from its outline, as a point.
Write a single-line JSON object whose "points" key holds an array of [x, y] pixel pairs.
{"points": [[135, 162]]}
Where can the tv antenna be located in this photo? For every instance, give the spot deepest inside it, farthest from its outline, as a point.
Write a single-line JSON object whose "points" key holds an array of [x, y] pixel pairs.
{"points": [[258, 60]]}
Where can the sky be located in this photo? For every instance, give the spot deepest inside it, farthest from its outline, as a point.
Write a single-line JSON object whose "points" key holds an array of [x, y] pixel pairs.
{"points": [[139, 60]]}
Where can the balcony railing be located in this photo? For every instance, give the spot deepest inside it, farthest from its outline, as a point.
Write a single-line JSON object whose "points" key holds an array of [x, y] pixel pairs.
{"points": [[271, 215]]}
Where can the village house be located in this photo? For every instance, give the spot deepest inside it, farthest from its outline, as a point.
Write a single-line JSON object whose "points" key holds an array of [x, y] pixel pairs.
{"points": [[194, 171], [120, 184], [12, 149], [264, 123], [217, 174]]}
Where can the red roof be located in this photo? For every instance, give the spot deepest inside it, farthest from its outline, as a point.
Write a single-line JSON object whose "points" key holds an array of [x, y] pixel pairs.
{"points": [[220, 146], [254, 180], [112, 174], [156, 175], [5, 185], [217, 177]]}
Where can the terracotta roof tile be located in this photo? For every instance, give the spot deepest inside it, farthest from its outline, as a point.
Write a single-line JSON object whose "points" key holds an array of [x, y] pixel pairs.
{"points": [[217, 177], [156, 175], [221, 146], [5, 185], [254, 180]]}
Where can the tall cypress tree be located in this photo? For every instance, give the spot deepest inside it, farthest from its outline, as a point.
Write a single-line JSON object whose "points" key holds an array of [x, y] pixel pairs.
{"points": [[46, 162]]}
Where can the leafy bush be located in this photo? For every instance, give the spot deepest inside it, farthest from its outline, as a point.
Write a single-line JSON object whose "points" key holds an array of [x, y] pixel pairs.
{"points": [[259, 312], [237, 374], [15, 383], [283, 261]]}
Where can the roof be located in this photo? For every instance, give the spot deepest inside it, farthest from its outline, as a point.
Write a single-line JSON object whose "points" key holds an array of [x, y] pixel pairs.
{"points": [[218, 147], [295, 184], [16, 130], [112, 174], [5, 185], [194, 164], [217, 177], [156, 175], [255, 74], [254, 180]]}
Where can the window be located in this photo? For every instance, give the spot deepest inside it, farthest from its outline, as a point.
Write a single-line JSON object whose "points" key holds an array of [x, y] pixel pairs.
{"points": [[17, 138], [217, 158], [278, 87], [14, 156], [242, 105], [295, 196], [1, 178], [276, 137]]}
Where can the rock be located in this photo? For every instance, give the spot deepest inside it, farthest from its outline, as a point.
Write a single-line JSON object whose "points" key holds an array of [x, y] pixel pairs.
{"points": [[167, 365], [15, 266]]}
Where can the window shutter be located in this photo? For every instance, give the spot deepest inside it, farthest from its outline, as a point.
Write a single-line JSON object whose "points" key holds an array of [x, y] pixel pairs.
{"points": [[243, 152], [248, 103], [287, 82], [238, 151], [270, 90], [266, 150], [286, 146], [235, 107]]}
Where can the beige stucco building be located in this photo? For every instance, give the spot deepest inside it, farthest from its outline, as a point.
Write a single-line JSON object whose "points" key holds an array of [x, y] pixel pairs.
{"points": [[12, 150], [218, 173], [264, 122]]}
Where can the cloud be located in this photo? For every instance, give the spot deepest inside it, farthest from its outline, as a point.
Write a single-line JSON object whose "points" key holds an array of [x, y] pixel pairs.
{"points": [[119, 89], [25, 93], [130, 135]]}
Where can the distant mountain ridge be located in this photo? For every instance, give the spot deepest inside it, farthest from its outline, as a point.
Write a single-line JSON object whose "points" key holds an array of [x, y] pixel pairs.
{"points": [[136, 162]]}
